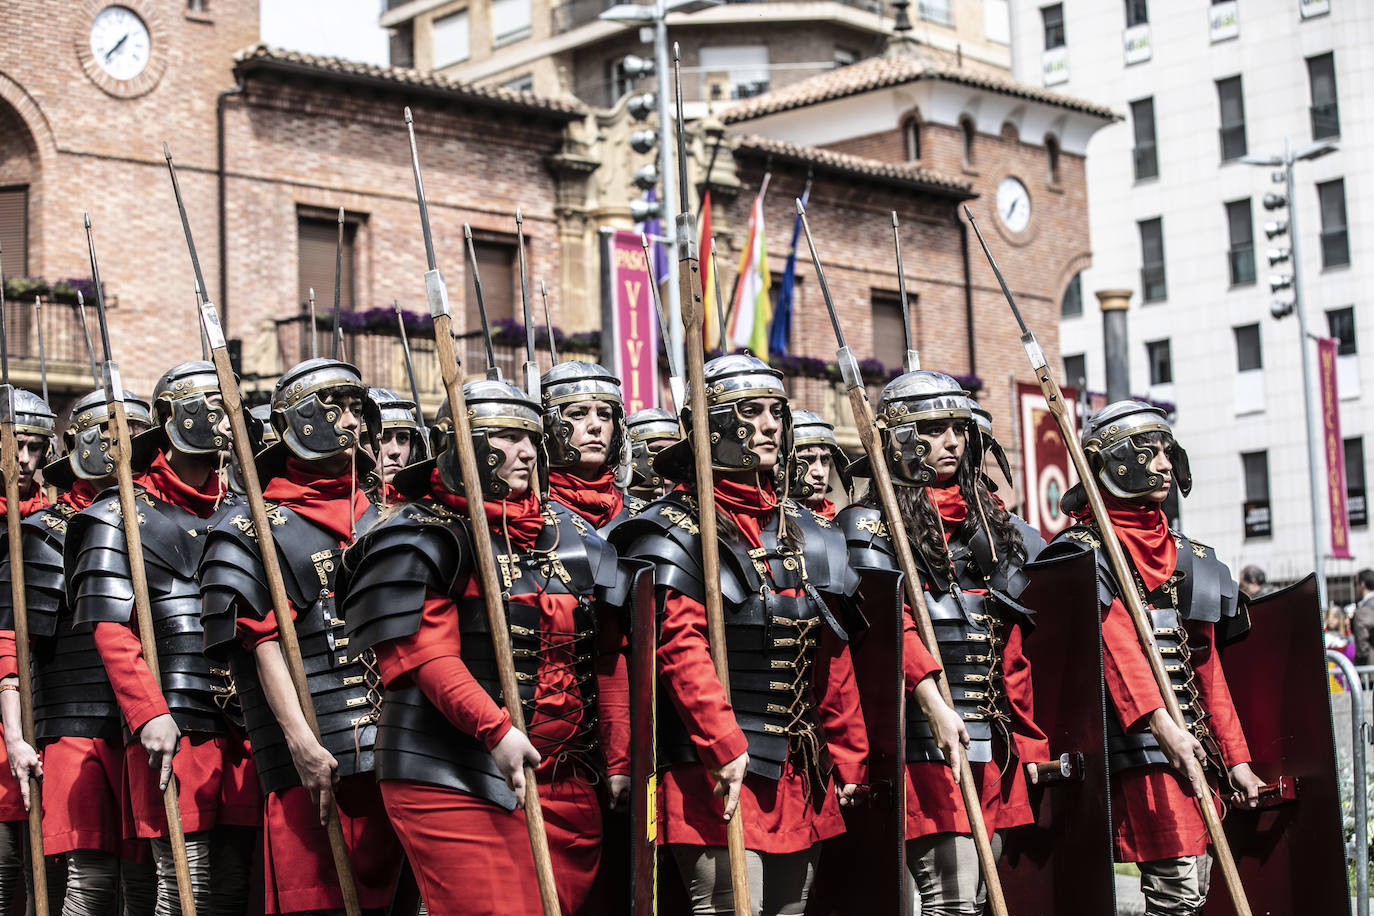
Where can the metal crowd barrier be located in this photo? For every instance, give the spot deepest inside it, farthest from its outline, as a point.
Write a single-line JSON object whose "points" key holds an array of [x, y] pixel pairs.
{"points": [[1359, 736]]}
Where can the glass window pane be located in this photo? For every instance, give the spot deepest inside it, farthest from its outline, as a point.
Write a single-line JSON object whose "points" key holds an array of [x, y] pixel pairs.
{"points": [[1342, 325], [1248, 355], [510, 19], [1075, 370], [1161, 365], [1256, 475], [1137, 12], [1072, 306], [451, 39], [1053, 17]]}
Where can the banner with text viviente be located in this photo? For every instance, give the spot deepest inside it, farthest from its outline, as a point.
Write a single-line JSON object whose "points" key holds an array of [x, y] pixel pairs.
{"points": [[1333, 447], [629, 328]]}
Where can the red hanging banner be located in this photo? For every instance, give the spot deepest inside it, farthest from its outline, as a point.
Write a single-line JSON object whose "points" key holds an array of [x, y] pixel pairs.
{"points": [[1333, 447], [630, 333], [1048, 471]]}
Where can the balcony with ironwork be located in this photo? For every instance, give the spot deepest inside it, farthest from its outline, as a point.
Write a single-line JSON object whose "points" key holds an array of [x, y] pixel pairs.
{"points": [[63, 343]]}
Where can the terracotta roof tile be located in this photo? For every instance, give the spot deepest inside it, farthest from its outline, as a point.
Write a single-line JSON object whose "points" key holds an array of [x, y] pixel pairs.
{"points": [[893, 172], [881, 72], [500, 96]]}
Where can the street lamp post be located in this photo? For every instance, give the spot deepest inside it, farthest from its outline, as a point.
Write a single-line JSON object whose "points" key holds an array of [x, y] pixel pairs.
{"points": [[1314, 452]]}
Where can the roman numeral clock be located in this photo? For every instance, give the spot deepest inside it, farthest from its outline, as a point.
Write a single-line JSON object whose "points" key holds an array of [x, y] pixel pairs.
{"points": [[121, 46]]}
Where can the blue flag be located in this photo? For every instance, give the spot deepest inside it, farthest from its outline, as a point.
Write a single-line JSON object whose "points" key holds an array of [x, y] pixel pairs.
{"points": [[780, 332], [654, 227]]}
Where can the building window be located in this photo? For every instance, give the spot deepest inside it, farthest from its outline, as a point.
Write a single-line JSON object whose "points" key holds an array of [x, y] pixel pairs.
{"points": [[497, 266], [744, 67], [911, 137], [966, 135], [401, 45], [521, 83], [997, 21], [317, 244], [510, 21], [1161, 362], [1255, 466], [1137, 12], [1321, 76], [889, 336], [1355, 506], [936, 11], [1335, 239], [198, 6], [451, 39], [1076, 370], [1248, 354], [1053, 17], [1146, 154], [1152, 285], [14, 230], [1232, 118], [1052, 159], [845, 56], [1242, 254], [1341, 322], [1072, 304]]}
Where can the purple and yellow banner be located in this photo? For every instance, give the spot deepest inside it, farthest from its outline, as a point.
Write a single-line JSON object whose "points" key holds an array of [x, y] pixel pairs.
{"points": [[631, 322], [1333, 446]]}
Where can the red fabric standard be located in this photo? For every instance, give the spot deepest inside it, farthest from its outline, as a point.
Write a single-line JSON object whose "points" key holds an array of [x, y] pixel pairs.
{"points": [[298, 867], [82, 796], [473, 859], [216, 784], [597, 500], [161, 481]]}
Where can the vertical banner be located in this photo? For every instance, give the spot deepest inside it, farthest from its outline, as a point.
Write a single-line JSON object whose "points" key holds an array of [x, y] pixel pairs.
{"points": [[1333, 446], [1048, 470], [630, 327]]}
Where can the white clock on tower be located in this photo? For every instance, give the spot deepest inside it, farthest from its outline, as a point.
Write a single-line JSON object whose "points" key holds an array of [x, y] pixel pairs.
{"points": [[1013, 204], [120, 44]]}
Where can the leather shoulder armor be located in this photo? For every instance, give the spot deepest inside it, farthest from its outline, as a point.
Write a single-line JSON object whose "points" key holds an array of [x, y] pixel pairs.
{"points": [[1207, 591], [823, 548], [1082, 539], [42, 535], [667, 534], [868, 544], [418, 548], [96, 556]]}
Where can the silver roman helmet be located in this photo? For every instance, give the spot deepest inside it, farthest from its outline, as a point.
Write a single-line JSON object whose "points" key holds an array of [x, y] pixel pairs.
{"points": [[307, 426], [1112, 440], [730, 380], [32, 415], [568, 383], [982, 420], [906, 401], [184, 415], [88, 441], [492, 407], [399, 413], [642, 427], [809, 429]]}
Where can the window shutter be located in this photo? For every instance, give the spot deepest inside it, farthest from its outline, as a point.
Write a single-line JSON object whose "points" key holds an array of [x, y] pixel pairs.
{"points": [[14, 230]]}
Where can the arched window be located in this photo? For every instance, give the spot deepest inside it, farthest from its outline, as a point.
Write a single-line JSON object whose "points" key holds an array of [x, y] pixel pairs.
{"points": [[1052, 158], [966, 132], [911, 138]]}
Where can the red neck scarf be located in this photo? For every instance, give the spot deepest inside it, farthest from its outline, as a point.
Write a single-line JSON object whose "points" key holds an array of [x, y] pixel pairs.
{"points": [[80, 496], [825, 509], [949, 502], [29, 506], [319, 497], [597, 500], [749, 505], [163, 482], [1144, 533], [523, 517]]}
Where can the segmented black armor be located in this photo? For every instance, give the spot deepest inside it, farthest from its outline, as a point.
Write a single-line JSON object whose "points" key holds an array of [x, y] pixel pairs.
{"points": [[971, 629], [100, 590], [426, 547], [1202, 590], [345, 688], [771, 638], [72, 696]]}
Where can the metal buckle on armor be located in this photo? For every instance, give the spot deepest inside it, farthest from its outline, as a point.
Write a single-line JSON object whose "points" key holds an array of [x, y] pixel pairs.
{"points": [[335, 622], [975, 695], [353, 680], [777, 709], [523, 631], [772, 729], [976, 659], [974, 717], [784, 621], [978, 637], [219, 672], [510, 568], [779, 685], [785, 642], [355, 701], [977, 679], [363, 720], [1173, 669], [778, 663]]}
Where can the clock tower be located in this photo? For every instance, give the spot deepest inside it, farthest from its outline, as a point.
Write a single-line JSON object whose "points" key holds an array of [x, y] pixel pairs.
{"points": [[86, 100]]}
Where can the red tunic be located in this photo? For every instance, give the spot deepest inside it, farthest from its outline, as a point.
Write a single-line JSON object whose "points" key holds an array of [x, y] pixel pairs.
{"points": [[298, 870], [934, 802], [216, 783], [1153, 810], [464, 849], [11, 801], [786, 815]]}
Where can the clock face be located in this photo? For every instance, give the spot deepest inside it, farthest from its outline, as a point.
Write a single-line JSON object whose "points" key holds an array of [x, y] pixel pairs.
{"points": [[119, 42], [1013, 204]]}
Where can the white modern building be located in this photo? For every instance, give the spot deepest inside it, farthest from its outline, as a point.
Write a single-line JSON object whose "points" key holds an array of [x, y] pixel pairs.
{"points": [[1179, 219]]}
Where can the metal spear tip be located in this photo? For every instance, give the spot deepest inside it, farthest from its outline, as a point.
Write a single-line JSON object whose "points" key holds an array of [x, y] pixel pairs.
{"points": [[968, 213], [801, 209], [86, 215], [518, 218], [80, 299], [166, 151], [341, 215], [312, 292], [467, 232], [543, 288], [409, 119], [894, 219], [677, 53]]}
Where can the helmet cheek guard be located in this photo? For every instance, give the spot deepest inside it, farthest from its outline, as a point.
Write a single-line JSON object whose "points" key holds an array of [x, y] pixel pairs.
{"points": [[90, 455], [906, 457], [1183, 471], [558, 433], [1114, 440], [193, 426], [489, 456]]}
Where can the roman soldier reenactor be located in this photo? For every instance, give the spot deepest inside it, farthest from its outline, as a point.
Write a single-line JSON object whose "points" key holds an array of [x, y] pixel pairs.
{"points": [[790, 747], [970, 556], [650, 431], [449, 761], [317, 505], [401, 440], [818, 453], [1156, 768], [76, 715], [584, 433], [178, 724]]}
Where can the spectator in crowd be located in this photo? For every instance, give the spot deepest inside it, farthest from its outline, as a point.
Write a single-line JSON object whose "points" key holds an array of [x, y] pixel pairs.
{"points": [[1252, 581], [1338, 632], [1362, 622]]}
